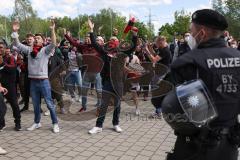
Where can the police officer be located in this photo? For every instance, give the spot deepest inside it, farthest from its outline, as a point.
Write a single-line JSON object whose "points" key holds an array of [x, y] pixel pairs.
{"points": [[218, 67]]}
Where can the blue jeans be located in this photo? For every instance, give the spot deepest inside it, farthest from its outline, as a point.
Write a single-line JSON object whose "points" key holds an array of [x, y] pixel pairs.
{"points": [[42, 88], [87, 80], [74, 78]]}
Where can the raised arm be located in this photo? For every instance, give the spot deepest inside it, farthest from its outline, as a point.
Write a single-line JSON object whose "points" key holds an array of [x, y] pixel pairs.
{"points": [[71, 40], [95, 45], [62, 42], [134, 41], [51, 46], [23, 48], [53, 34]]}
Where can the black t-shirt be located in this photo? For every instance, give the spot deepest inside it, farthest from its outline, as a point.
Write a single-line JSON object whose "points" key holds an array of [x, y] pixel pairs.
{"points": [[165, 54]]}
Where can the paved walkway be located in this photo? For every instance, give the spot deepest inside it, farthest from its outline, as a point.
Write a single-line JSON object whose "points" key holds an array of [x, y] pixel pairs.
{"points": [[142, 138]]}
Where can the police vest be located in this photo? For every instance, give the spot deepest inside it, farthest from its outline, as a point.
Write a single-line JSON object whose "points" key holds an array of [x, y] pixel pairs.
{"points": [[219, 68]]}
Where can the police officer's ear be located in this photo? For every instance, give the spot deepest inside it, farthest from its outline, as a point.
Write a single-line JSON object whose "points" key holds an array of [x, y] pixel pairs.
{"points": [[205, 32], [202, 33]]}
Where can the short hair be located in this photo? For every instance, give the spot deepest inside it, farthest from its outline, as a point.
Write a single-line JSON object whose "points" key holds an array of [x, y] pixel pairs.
{"points": [[113, 38], [8, 47], [40, 34], [29, 35], [161, 38], [186, 34], [213, 33]]}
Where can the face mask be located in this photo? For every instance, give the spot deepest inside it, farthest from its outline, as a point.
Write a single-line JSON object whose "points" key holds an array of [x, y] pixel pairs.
{"points": [[234, 46], [192, 42], [186, 39]]}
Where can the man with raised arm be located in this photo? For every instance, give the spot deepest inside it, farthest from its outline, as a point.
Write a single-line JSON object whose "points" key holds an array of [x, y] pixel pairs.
{"points": [[38, 57], [112, 74]]}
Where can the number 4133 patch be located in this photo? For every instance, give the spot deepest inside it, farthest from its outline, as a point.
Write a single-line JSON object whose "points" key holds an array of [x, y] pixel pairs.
{"points": [[229, 84]]}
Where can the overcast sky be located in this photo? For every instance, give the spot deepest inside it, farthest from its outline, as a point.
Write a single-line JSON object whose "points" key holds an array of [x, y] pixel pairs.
{"points": [[162, 10]]}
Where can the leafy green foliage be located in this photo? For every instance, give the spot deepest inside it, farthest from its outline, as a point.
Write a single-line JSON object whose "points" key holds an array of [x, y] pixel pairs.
{"points": [[104, 21], [231, 10], [179, 27]]}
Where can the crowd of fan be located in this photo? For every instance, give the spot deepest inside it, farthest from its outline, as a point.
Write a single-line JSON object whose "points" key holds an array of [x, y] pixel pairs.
{"points": [[26, 66]]}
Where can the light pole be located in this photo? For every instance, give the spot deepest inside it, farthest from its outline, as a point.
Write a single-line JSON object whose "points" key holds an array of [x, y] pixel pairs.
{"points": [[111, 21], [6, 37], [79, 26]]}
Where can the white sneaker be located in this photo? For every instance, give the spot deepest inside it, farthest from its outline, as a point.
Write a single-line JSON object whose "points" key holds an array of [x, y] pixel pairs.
{"points": [[78, 99], [56, 128], [117, 129], [2, 128], [2, 151], [47, 113], [95, 130], [34, 126], [137, 112]]}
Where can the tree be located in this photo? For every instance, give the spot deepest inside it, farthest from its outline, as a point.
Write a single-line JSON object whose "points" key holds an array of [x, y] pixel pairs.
{"points": [[4, 27], [182, 22], [179, 27], [24, 12], [105, 21], [230, 9], [84, 29]]}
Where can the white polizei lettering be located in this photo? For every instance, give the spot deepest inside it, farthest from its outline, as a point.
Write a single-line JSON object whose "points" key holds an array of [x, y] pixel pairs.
{"points": [[237, 62], [210, 63], [217, 63], [222, 64], [231, 62]]}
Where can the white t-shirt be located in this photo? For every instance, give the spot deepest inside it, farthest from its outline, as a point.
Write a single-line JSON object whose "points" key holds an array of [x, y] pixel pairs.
{"points": [[134, 60]]}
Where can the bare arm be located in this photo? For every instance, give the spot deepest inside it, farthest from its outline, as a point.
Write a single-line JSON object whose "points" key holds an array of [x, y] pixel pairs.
{"points": [[53, 34], [154, 59], [3, 90]]}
